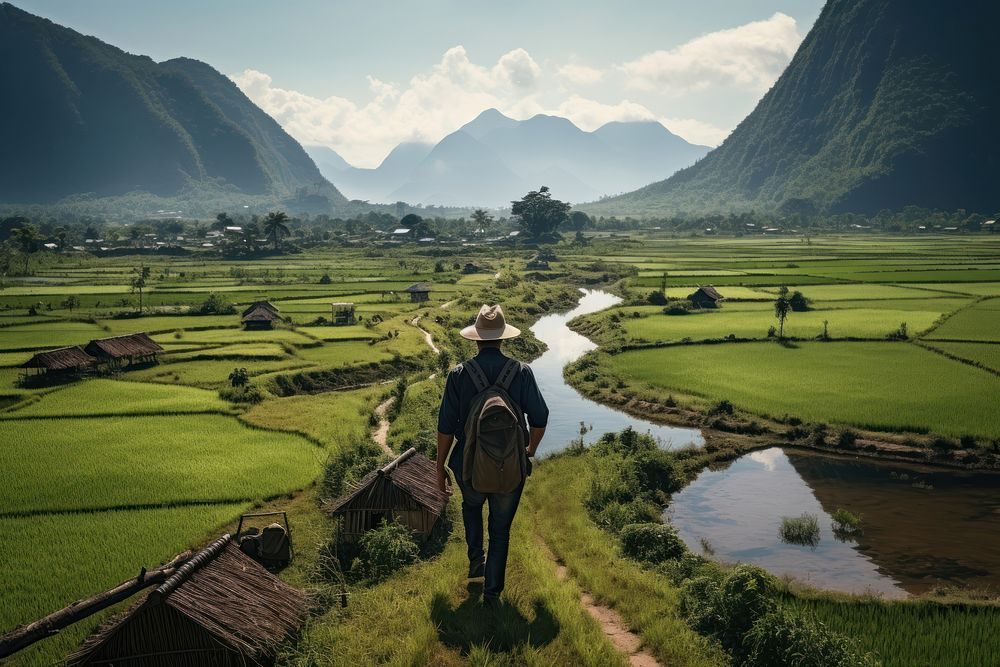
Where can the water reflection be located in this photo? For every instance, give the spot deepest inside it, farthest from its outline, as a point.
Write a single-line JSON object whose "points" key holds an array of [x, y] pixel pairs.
{"points": [[922, 527], [566, 406]]}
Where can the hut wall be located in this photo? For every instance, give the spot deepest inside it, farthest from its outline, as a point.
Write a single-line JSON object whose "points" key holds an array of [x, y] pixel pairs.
{"points": [[159, 636], [366, 513], [420, 296]]}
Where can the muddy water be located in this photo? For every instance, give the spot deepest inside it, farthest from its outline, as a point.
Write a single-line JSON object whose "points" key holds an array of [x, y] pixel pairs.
{"points": [[922, 527], [567, 407]]}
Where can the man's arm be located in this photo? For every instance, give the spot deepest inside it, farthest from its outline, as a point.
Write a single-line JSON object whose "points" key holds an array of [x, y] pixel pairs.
{"points": [[534, 437], [444, 446]]}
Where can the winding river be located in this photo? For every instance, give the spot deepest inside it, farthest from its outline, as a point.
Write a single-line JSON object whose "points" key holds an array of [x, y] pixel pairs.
{"points": [[922, 527], [567, 407]]}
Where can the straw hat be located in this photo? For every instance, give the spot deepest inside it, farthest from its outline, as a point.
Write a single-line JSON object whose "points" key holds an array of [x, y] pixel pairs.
{"points": [[490, 325]]}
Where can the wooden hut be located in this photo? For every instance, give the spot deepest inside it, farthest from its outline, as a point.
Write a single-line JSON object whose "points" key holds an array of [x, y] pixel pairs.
{"points": [[419, 291], [342, 314], [259, 318], [404, 490], [706, 296], [63, 361], [124, 351], [261, 304], [218, 608]]}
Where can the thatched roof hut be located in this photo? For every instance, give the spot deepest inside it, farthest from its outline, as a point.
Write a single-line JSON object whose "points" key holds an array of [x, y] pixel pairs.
{"points": [[706, 296], [261, 304], [219, 608], [260, 317], [404, 490], [63, 360], [124, 350], [419, 291]]}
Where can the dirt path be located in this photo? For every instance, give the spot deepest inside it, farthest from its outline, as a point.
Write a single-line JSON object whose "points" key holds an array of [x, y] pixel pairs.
{"points": [[448, 304], [380, 434], [427, 334], [611, 622]]}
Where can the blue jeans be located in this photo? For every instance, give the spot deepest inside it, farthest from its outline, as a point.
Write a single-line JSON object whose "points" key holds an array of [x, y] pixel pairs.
{"points": [[503, 506]]}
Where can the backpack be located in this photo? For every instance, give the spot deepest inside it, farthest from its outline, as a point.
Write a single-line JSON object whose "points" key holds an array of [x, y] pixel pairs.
{"points": [[495, 458]]}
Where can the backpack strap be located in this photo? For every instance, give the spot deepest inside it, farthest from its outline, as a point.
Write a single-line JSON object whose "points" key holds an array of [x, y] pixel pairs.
{"points": [[508, 373], [477, 375]]}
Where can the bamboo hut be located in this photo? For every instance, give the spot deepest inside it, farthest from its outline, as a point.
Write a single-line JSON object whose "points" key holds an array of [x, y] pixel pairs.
{"points": [[124, 351], [218, 608], [260, 318], [419, 292], [261, 304], [63, 361], [342, 314], [404, 490]]}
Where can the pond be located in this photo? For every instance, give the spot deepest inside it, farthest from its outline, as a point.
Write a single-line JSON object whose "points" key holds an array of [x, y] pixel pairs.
{"points": [[922, 527], [567, 408]]}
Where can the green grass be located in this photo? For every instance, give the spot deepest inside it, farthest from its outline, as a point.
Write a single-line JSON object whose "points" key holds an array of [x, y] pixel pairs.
{"points": [[48, 561], [890, 386], [49, 335], [236, 336], [416, 426], [113, 397], [914, 634], [337, 419], [981, 322], [211, 374], [253, 351], [130, 461], [171, 323], [356, 331], [986, 354]]}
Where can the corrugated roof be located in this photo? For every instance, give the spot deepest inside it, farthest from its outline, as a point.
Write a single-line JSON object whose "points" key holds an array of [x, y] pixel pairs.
{"points": [[129, 345], [61, 359]]}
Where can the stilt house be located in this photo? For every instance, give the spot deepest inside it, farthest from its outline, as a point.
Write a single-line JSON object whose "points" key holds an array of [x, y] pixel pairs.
{"points": [[124, 351]]}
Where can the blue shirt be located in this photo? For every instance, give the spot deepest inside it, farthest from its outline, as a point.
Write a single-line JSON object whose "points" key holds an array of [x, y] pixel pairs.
{"points": [[459, 391]]}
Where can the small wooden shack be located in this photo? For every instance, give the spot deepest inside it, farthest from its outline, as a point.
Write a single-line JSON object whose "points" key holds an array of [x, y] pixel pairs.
{"points": [[470, 268], [63, 361], [218, 608], [124, 351], [342, 314], [261, 304], [706, 296], [403, 490], [260, 318], [419, 291]]}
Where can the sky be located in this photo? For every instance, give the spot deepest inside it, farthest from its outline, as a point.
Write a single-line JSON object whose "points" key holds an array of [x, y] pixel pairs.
{"points": [[362, 76]]}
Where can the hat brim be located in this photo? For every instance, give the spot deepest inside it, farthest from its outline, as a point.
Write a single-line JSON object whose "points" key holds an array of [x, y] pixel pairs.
{"points": [[472, 333]]}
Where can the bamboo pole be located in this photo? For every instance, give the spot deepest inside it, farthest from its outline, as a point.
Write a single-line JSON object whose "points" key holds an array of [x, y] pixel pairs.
{"points": [[26, 635]]}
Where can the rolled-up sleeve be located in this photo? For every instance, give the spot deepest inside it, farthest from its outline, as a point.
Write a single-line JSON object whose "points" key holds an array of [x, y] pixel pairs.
{"points": [[448, 413], [533, 403]]}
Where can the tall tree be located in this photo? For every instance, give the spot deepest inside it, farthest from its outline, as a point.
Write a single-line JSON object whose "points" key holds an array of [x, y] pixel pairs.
{"points": [[275, 227], [482, 219], [27, 241], [539, 214], [222, 221], [781, 309], [139, 282]]}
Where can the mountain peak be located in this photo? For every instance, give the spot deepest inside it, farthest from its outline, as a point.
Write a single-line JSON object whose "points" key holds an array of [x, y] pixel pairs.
{"points": [[486, 122]]}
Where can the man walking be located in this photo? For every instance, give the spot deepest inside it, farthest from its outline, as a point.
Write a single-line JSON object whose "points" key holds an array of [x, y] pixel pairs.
{"points": [[485, 402]]}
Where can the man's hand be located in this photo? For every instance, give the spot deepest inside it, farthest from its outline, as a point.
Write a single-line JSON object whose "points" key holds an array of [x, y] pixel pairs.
{"points": [[443, 481]]}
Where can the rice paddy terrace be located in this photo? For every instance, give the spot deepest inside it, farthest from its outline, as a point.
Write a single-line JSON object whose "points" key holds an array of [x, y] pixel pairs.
{"points": [[103, 474]]}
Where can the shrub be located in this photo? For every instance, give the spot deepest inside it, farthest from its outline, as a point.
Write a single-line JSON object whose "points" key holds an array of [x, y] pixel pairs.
{"points": [[385, 550], [657, 298], [798, 302], [616, 515], [783, 637], [239, 377], [818, 437], [246, 393], [900, 333], [802, 530], [772, 332], [659, 471], [846, 438], [677, 308], [651, 542], [345, 468], [700, 604], [723, 407], [613, 481], [748, 593], [325, 279], [214, 304], [967, 441], [846, 523]]}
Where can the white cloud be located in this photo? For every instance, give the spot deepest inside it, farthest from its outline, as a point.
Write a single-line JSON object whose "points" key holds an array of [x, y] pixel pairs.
{"points": [[580, 75], [749, 56], [590, 114], [434, 103], [696, 131]]}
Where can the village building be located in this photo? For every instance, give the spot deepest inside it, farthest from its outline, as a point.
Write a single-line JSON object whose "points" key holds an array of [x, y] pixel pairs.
{"points": [[260, 315], [219, 608], [706, 296], [403, 491], [124, 351], [342, 314], [419, 292], [471, 268], [63, 361]]}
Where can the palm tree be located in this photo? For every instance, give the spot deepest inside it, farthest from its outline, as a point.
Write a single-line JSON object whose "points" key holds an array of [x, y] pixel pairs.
{"points": [[275, 227], [781, 309]]}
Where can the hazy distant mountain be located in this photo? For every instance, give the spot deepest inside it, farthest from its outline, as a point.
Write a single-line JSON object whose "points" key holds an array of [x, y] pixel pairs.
{"points": [[887, 103], [370, 184], [82, 116], [494, 159]]}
